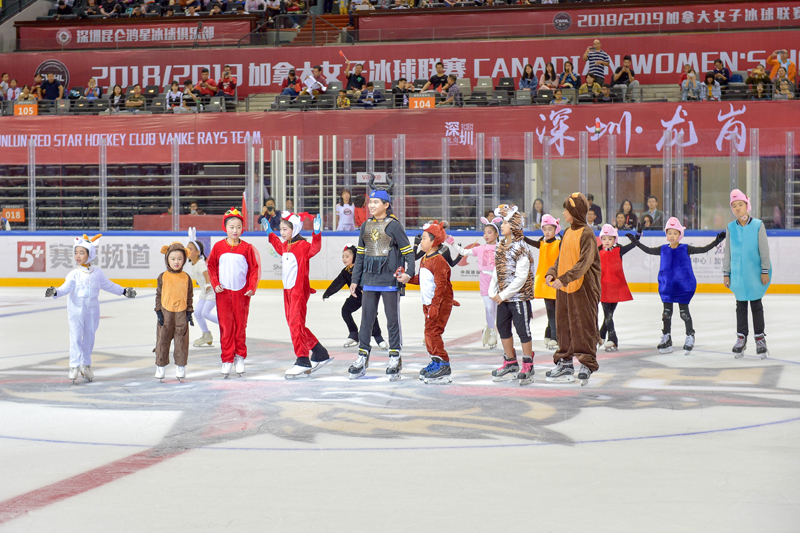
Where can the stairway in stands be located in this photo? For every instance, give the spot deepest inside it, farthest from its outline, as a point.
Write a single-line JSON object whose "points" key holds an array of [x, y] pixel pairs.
{"points": [[325, 33]]}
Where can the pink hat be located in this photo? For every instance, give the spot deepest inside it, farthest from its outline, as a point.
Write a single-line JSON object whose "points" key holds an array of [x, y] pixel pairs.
{"points": [[609, 231], [673, 223], [550, 220], [737, 195]]}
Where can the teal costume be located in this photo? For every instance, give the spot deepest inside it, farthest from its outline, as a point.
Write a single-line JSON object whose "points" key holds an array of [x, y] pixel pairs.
{"points": [[746, 261]]}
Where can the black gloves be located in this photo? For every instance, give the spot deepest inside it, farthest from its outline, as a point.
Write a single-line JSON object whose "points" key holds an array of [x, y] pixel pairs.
{"points": [[189, 317], [129, 292], [721, 236], [418, 239], [50, 292], [160, 316], [632, 236]]}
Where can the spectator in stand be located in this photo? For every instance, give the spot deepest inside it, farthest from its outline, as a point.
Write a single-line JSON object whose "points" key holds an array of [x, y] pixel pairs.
{"points": [[117, 12], [191, 97], [137, 12], [528, 81], [191, 11], [254, 5], [361, 210], [206, 86], [4, 83], [215, 10], [760, 93], [781, 77], [273, 8], [626, 208], [605, 95], [355, 82], [453, 93], [598, 61], [438, 80], [691, 89], [591, 86], [136, 101], [758, 75], [116, 99], [549, 78], [647, 223], [294, 8], [538, 213], [620, 222], [656, 216], [722, 74], [569, 79], [624, 75], [175, 97], [107, 7], [63, 8], [90, 8], [370, 96], [316, 81], [13, 91], [269, 214], [401, 92], [169, 12], [596, 208], [343, 102], [711, 90], [52, 89], [92, 92], [591, 220], [26, 95], [194, 209], [290, 85], [780, 58], [687, 68], [559, 98], [289, 205], [36, 88], [227, 84], [784, 91]]}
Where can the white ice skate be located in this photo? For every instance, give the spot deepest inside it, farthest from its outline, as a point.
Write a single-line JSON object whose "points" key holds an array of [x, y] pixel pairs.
{"points": [[552, 344], [348, 342], [492, 337], [161, 371], [395, 365], [298, 371], [86, 372], [564, 372], [761, 346], [359, 367], [205, 340], [526, 372], [485, 336], [316, 365], [73, 373], [611, 346], [226, 369], [238, 362], [384, 345], [547, 340], [584, 374], [180, 373], [688, 345]]}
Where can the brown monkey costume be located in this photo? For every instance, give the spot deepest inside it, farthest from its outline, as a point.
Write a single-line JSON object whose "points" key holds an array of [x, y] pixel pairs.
{"points": [[578, 268], [174, 301]]}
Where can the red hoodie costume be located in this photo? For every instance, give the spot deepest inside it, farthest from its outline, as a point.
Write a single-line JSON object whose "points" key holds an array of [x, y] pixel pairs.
{"points": [[237, 270], [295, 257]]}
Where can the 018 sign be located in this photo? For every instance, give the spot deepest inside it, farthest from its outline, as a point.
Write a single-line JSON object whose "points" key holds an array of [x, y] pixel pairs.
{"points": [[13, 214]]}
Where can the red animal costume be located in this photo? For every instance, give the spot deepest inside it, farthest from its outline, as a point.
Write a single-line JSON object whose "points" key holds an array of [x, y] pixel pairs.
{"points": [[437, 300], [237, 270], [295, 256]]}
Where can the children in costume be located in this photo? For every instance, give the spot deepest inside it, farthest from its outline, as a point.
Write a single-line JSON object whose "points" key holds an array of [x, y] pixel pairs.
{"points": [[614, 286], [548, 247], [296, 253], [485, 254], [174, 311], [234, 268], [512, 289], [437, 302], [576, 278], [748, 271], [206, 301], [676, 280], [352, 303], [384, 263], [444, 249], [83, 285]]}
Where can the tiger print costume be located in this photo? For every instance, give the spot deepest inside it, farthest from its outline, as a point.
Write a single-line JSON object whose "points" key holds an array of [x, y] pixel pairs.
{"points": [[508, 254]]}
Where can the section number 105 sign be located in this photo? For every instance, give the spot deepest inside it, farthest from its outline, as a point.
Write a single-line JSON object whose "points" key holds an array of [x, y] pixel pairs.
{"points": [[422, 102]]}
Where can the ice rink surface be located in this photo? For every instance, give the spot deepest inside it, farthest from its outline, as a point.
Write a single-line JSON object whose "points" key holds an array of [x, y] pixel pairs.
{"points": [[653, 443]]}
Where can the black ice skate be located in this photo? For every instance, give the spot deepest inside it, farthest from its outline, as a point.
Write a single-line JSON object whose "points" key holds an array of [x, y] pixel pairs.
{"points": [[761, 346], [665, 346], [584, 374], [526, 373], [740, 346], [508, 370], [359, 367], [395, 365], [424, 371], [439, 372], [564, 372], [688, 345]]}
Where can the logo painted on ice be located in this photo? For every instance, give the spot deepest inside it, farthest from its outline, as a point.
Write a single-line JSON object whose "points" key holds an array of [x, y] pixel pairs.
{"points": [[31, 256]]}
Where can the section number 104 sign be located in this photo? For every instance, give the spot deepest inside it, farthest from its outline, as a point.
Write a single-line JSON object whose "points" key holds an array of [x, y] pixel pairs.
{"points": [[422, 102]]}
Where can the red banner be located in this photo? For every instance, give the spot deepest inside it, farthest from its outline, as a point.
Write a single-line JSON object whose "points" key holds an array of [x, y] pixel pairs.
{"points": [[78, 35], [657, 59], [707, 129], [562, 20]]}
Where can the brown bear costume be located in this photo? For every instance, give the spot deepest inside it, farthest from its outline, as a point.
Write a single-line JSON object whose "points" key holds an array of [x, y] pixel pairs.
{"points": [[174, 300], [578, 268]]}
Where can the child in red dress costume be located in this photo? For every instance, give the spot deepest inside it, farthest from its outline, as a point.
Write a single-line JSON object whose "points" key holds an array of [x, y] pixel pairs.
{"points": [[613, 285]]}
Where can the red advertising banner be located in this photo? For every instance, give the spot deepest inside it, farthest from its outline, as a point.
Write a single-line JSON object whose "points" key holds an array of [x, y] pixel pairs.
{"points": [[657, 59], [562, 20], [707, 129], [79, 35]]}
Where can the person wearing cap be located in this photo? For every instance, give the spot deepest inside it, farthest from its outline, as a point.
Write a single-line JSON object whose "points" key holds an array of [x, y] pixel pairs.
{"points": [[613, 285], [747, 271], [234, 267], [291, 85], [384, 264], [83, 285], [548, 246], [676, 280], [576, 278]]}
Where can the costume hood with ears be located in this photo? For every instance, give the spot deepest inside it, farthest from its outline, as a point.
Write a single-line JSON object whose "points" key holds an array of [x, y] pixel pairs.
{"points": [[577, 205], [496, 222], [88, 244], [232, 213], [175, 246], [737, 195], [296, 220], [511, 215], [610, 231], [435, 228], [193, 238], [673, 223], [550, 220]]}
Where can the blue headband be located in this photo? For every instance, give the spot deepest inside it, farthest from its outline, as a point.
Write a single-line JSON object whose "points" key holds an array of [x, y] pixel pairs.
{"points": [[383, 195]]}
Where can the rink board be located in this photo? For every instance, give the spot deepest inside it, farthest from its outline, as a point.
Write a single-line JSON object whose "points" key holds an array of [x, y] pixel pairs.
{"points": [[134, 258]]}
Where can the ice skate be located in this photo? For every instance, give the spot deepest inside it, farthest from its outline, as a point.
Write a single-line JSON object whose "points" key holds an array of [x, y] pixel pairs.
{"points": [[439, 373], [238, 362], [359, 367], [319, 357], [86, 372], [665, 346], [688, 344], [552, 344], [73, 373], [485, 336], [564, 372], [205, 340], [611, 346], [584, 374], [492, 337], [180, 373], [424, 371], [348, 342], [226, 369], [526, 373], [601, 342], [383, 344], [301, 369], [547, 340], [395, 365], [161, 371], [761, 346], [740, 346], [508, 371]]}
